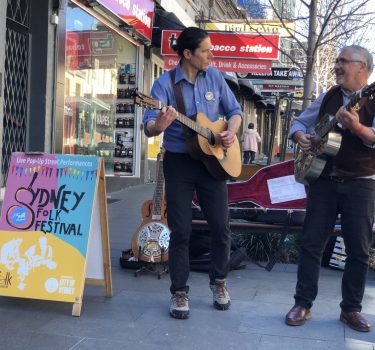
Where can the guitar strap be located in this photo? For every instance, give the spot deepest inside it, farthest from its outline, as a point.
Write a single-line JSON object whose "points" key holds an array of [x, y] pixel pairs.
{"points": [[177, 92]]}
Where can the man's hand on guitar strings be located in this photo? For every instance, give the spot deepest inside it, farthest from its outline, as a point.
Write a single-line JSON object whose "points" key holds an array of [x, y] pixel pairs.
{"points": [[164, 118], [317, 144], [227, 138], [304, 142]]}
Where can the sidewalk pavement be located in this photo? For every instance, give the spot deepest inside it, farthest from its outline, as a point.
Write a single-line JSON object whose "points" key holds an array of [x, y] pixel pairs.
{"points": [[136, 317]]}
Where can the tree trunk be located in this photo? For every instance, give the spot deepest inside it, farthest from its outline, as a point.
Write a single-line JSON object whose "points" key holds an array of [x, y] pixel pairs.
{"points": [[311, 54]]}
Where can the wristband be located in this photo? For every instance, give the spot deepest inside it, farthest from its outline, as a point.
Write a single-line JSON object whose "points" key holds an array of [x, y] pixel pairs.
{"points": [[359, 129]]}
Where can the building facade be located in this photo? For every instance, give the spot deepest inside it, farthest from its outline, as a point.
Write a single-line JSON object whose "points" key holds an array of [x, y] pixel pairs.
{"points": [[27, 77], [68, 71]]}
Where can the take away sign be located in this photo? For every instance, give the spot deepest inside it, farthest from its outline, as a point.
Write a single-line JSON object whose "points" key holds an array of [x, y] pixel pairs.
{"points": [[231, 45]]}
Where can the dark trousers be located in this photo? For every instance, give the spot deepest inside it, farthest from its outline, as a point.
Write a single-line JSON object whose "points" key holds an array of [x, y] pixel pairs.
{"points": [[354, 200], [183, 175]]}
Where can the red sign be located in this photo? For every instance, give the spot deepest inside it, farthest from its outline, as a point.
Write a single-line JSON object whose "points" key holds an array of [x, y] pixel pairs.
{"points": [[137, 13], [90, 43], [84, 49], [232, 45], [228, 64]]}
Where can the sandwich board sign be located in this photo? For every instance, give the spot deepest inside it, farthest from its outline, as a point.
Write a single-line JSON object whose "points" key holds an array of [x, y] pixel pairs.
{"points": [[54, 228]]}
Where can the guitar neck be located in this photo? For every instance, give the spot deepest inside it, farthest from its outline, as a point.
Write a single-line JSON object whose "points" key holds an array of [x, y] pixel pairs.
{"points": [[332, 122], [158, 193], [191, 124]]}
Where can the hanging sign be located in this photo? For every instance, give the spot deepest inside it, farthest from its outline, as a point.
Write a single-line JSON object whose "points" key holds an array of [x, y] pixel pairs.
{"points": [[276, 73], [136, 13], [231, 45], [46, 224], [284, 29]]}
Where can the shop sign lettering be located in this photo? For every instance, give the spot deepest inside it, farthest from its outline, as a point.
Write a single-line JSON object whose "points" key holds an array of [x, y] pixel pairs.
{"points": [[232, 45], [136, 13], [229, 65]]}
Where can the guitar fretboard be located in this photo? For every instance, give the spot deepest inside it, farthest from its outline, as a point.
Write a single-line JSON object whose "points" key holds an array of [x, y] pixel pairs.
{"points": [[191, 124], [325, 129], [158, 193]]}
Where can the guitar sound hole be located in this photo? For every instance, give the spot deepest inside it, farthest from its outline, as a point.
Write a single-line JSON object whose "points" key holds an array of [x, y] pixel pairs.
{"points": [[211, 138]]}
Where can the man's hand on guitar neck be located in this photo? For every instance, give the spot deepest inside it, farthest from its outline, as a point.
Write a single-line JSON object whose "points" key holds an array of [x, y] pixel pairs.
{"points": [[164, 118], [350, 120]]}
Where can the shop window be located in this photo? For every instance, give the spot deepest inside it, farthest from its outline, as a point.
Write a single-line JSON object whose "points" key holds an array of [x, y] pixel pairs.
{"points": [[154, 143], [100, 76]]}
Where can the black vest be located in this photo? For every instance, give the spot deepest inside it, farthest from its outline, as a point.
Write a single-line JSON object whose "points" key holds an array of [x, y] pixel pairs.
{"points": [[354, 159]]}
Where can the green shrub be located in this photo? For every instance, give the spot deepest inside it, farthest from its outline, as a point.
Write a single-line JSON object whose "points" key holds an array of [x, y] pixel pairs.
{"points": [[262, 246]]}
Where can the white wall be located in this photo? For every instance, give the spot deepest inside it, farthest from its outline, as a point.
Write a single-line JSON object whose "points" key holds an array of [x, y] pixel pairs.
{"points": [[182, 9], [372, 77]]}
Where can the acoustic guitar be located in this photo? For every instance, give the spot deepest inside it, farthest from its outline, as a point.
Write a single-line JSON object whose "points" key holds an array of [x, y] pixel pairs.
{"points": [[150, 242], [326, 143], [204, 141]]}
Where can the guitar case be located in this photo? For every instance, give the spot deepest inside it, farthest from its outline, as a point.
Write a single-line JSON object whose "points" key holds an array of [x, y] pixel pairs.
{"points": [[250, 200]]}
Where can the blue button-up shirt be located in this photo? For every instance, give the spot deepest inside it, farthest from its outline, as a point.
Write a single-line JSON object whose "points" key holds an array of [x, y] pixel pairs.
{"points": [[210, 95]]}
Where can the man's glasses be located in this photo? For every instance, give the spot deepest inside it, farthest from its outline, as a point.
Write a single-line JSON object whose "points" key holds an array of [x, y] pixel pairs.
{"points": [[342, 61]]}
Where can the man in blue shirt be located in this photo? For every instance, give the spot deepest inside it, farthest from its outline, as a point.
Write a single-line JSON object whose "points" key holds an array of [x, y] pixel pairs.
{"points": [[204, 90]]}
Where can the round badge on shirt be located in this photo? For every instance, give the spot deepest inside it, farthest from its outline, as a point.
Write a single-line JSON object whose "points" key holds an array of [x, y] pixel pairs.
{"points": [[209, 95]]}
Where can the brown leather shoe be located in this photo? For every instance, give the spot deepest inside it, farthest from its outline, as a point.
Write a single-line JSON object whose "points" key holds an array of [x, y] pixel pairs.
{"points": [[297, 316], [355, 321]]}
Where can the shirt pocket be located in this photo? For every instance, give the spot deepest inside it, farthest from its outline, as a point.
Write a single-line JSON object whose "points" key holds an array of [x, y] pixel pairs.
{"points": [[212, 100]]}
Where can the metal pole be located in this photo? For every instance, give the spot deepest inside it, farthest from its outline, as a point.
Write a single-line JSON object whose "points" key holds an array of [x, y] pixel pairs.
{"points": [[273, 130], [285, 131]]}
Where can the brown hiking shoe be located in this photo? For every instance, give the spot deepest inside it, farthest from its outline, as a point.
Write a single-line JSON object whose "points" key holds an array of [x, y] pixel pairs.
{"points": [[221, 296], [179, 307]]}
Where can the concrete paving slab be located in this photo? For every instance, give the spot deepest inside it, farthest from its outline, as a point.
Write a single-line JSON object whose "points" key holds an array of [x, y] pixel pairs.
{"points": [[268, 318], [202, 338], [105, 344], [136, 317], [288, 343], [22, 339]]}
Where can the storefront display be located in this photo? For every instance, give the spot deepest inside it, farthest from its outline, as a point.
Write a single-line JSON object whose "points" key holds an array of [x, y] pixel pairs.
{"points": [[125, 116], [100, 78]]}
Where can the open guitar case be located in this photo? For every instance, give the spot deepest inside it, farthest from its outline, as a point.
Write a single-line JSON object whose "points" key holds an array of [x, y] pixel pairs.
{"points": [[250, 202]]}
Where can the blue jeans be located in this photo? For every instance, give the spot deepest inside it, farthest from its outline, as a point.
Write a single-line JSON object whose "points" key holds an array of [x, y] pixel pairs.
{"points": [[183, 175], [248, 157], [354, 200]]}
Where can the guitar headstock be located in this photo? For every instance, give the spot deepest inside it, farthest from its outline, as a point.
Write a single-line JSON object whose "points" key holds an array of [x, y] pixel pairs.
{"points": [[368, 91], [160, 155], [145, 101]]}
